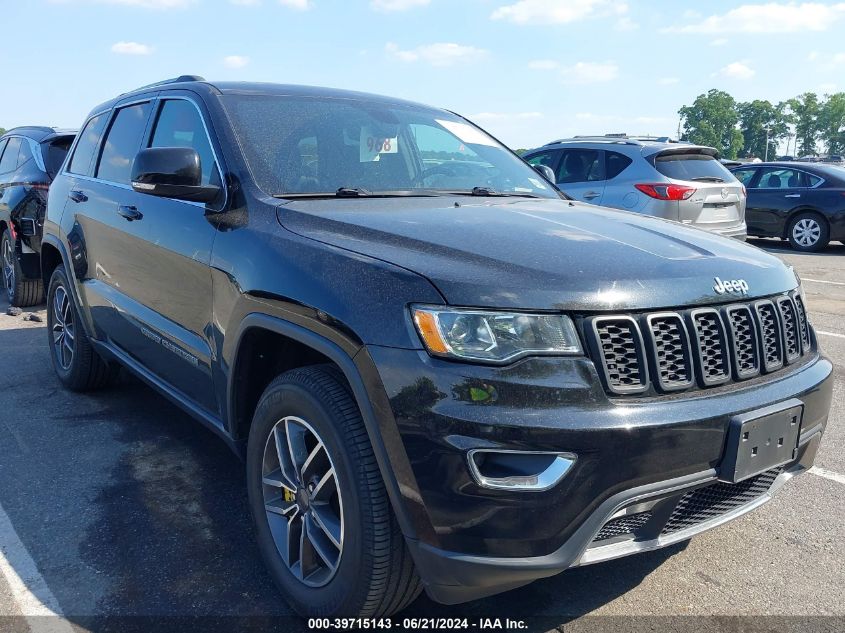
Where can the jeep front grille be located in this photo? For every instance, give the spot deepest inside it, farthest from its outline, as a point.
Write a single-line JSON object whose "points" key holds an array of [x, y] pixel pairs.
{"points": [[664, 352]]}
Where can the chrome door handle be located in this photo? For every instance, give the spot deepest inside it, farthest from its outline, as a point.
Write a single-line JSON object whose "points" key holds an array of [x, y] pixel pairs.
{"points": [[129, 212], [591, 194], [77, 196], [792, 195]]}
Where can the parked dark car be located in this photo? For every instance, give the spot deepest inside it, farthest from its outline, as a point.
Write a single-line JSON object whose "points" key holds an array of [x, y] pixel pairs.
{"points": [[441, 377], [29, 159], [800, 202]]}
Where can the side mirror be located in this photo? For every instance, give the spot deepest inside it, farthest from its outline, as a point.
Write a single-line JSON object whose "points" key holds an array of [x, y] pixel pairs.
{"points": [[546, 172], [171, 172]]}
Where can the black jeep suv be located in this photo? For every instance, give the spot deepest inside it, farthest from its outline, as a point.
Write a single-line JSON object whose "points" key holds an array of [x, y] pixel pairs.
{"points": [[443, 373], [30, 157]]}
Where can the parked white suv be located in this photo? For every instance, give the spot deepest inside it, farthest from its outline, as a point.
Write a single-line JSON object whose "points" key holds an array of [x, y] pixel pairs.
{"points": [[677, 181]]}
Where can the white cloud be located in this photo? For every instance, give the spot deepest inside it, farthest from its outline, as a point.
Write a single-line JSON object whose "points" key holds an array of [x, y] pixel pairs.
{"points": [[736, 70], [719, 41], [812, 56], [590, 72], [235, 61], [543, 64], [625, 24], [772, 17], [299, 5], [668, 81], [397, 5], [439, 54], [131, 48], [557, 11]]}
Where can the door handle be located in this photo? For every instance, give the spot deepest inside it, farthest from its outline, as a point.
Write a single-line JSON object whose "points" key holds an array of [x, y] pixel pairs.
{"points": [[792, 195], [129, 212], [591, 194], [77, 196]]}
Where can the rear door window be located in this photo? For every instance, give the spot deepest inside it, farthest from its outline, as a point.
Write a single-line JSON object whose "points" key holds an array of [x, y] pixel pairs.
{"points": [[123, 142], [616, 164], [780, 178], [25, 153], [89, 139], [580, 165], [696, 167], [10, 157]]}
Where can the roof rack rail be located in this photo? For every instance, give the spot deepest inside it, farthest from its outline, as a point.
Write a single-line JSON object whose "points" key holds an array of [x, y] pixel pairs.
{"points": [[165, 82], [40, 128], [621, 139]]}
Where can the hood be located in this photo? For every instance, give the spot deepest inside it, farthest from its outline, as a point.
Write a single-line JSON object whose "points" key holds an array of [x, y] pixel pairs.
{"points": [[541, 254]]}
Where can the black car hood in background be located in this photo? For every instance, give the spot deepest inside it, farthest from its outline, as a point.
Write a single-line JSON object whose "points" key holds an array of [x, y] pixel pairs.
{"points": [[540, 254]]}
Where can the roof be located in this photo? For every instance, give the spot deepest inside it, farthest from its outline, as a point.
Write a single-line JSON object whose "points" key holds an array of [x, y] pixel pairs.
{"points": [[199, 84], [40, 133]]}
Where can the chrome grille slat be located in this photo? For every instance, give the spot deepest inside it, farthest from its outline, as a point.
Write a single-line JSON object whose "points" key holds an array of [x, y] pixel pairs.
{"points": [[791, 335], [802, 321]]}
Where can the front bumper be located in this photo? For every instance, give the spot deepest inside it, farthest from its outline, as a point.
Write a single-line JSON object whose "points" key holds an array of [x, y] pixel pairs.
{"points": [[470, 541]]}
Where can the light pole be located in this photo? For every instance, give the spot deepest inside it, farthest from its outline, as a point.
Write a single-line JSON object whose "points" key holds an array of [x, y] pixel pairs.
{"points": [[766, 159]]}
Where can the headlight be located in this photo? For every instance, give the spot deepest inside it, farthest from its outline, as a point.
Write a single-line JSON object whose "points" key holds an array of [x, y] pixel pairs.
{"points": [[494, 337]]}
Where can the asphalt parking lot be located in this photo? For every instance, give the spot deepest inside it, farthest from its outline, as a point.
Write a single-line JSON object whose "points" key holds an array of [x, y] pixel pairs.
{"points": [[118, 504]]}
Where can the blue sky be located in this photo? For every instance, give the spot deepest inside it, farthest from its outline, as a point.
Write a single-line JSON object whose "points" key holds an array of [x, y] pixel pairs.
{"points": [[527, 70]]}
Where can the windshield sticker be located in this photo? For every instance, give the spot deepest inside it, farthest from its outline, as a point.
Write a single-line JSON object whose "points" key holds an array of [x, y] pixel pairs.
{"points": [[371, 146], [467, 133], [537, 183]]}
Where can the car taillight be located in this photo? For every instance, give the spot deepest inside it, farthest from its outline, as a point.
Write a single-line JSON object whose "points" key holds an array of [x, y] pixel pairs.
{"points": [[667, 192]]}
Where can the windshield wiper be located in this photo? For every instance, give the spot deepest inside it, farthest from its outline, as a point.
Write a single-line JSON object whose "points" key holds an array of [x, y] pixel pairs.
{"points": [[489, 192], [360, 192]]}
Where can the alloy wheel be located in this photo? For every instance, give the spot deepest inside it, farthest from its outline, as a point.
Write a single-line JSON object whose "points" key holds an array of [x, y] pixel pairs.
{"points": [[64, 332], [302, 501], [8, 267], [806, 232]]}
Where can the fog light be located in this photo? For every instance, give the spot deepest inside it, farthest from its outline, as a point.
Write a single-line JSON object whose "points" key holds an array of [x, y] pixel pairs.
{"points": [[518, 470]]}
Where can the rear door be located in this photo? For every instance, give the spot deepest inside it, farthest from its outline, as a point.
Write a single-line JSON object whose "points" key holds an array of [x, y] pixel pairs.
{"points": [[718, 203], [772, 195], [580, 173]]}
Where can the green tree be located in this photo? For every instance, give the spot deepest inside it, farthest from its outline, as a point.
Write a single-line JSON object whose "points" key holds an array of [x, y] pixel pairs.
{"points": [[755, 118], [712, 120], [2, 131], [805, 110], [831, 123]]}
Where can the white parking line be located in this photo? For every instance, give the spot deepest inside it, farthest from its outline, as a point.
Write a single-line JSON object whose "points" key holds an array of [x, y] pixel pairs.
{"points": [[828, 474], [29, 590], [834, 334], [824, 281]]}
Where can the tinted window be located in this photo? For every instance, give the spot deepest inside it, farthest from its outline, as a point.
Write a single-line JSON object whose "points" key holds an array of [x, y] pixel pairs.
{"points": [[25, 153], [779, 178], [88, 141], [122, 143], [692, 167], [179, 125], [812, 181], [580, 165], [317, 145], [744, 175], [616, 164], [545, 158], [55, 153], [10, 157]]}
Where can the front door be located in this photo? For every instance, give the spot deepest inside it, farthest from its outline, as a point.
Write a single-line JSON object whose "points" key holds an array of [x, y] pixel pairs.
{"points": [[580, 173]]}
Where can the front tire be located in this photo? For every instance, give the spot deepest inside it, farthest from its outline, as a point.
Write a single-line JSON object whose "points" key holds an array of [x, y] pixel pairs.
{"points": [[20, 291], [808, 232], [74, 360], [323, 521]]}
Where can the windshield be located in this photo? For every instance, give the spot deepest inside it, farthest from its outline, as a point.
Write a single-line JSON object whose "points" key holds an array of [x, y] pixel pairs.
{"points": [[308, 145]]}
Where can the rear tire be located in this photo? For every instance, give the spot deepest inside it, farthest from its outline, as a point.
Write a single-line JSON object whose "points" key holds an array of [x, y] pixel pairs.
{"points": [[20, 291], [74, 360], [808, 232], [364, 569]]}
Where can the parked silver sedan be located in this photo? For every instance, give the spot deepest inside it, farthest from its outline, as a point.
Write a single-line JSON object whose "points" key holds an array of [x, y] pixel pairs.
{"points": [[677, 181]]}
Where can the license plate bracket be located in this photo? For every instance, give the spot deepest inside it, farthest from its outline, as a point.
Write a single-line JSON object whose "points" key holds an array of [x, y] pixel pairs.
{"points": [[761, 440]]}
